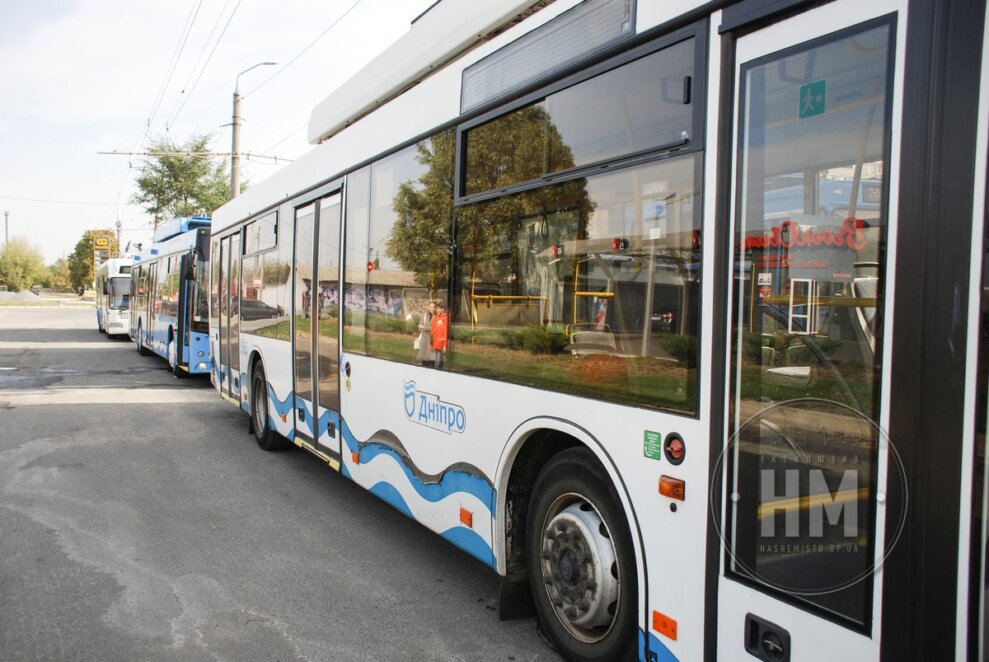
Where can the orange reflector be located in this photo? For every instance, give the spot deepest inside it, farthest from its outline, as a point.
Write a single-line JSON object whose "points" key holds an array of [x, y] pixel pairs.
{"points": [[673, 488], [664, 625], [356, 457], [466, 517]]}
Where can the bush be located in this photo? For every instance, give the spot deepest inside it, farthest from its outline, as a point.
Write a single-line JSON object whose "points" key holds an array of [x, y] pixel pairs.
{"points": [[383, 323], [682, 348], [534, 339], [752, 346]]}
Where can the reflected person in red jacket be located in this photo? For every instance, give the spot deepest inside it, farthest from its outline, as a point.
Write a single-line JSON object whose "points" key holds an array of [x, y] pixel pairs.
{"points": [[440, 331]]}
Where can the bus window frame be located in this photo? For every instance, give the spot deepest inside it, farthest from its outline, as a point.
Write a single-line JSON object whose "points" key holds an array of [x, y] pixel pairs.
{"points": [[607, 62]]}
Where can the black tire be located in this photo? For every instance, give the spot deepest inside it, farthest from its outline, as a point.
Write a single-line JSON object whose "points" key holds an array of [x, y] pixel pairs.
{"points": [[580, 561], [173, 362], [267, 438], [141, 349]]}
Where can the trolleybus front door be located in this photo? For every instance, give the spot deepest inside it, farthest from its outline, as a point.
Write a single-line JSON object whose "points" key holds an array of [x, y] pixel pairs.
{"points": [[805, 461], [302, 313]]}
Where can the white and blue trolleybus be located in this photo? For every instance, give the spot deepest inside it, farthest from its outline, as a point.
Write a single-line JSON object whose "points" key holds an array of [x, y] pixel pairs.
{"points": [[169, 296], [707, 374], [112, 293]]}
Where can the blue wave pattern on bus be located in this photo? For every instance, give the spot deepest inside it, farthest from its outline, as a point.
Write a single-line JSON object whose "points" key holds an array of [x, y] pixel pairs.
{"points": [[282, 408], [387, 492], [464, 538], [244, 405], [469, 541], [324, 423], [657, 651], [447, 483], [431, 488], [306, 414]]}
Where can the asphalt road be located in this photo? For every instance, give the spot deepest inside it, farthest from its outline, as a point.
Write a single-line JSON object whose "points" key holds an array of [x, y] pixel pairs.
{"points": [[139, 521]]}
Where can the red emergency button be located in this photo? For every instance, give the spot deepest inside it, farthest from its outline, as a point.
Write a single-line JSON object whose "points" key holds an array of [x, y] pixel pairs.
{"points": [[674, 448]]}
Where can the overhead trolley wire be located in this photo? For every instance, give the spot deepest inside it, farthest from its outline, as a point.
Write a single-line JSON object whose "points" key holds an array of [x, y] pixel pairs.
{"points": [[187, 91], [302, 52], [180, 48]]}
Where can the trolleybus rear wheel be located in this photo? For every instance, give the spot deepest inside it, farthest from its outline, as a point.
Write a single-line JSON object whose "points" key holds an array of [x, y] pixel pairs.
{"points": [[267, 438], [141, 349]]}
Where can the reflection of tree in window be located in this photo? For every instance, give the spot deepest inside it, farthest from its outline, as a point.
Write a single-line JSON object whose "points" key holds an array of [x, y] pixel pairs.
{"points": [[420, 240]]}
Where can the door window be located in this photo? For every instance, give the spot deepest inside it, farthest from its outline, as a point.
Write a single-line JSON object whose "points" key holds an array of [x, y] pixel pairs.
{"points": [[808, 269], [304, 226], [328, 303]]}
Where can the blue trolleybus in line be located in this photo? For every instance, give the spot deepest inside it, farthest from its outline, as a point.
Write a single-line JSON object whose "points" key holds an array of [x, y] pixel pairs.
{"points": [[169, 296], [713, 375], [112, 296]]}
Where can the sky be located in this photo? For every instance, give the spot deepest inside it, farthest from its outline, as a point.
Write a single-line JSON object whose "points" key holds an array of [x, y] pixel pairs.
{"points": [[81, 77]]}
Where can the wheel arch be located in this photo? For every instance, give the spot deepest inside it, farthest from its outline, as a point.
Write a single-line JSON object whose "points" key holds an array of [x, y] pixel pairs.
{"points": [[532, 444], [254, 357]]}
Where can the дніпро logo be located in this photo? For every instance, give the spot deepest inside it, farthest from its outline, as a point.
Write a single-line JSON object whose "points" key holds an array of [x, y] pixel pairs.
{"points": [[427, 409]]}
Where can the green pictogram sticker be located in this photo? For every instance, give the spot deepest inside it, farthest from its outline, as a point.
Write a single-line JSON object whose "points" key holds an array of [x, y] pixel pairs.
{"points": [[813, 99], [652, 445]]}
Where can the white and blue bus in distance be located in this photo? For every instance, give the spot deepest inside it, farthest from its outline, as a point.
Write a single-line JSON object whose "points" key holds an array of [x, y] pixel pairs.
{"points": [[714, 372], [112, 293], [169, 296]]}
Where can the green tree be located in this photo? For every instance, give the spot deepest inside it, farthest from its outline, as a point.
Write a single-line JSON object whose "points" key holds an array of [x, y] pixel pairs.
{"points": [[421, 238], [181, 180], [58, 274], [518, 147], [21, 265], [82, 270]]}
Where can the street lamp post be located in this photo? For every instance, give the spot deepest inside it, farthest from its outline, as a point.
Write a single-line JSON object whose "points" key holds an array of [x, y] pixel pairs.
{"points": [[237, 120]]}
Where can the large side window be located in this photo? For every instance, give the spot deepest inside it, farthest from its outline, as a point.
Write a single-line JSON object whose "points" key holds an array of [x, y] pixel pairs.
{"points": [[589, 287], [640, 106], [408, 243], [808, 267], [578, 267], [214, 308], [265, 282], [357, 261]]}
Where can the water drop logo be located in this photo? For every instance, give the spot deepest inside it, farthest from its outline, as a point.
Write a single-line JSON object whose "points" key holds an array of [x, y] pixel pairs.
{"points": [[410, 399]]}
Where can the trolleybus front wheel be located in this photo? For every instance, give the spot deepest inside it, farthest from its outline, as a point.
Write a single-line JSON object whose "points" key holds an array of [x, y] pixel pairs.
{"points": [[580, 560], [173, 361]]}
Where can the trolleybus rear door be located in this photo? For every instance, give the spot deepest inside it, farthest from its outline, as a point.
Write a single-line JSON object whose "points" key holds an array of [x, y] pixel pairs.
{"points": [[327, 323], [238, 387], [224, 327], [805, 460]]}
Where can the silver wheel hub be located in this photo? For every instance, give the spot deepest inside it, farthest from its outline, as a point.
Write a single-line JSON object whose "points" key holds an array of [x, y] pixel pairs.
{"points": [[580, 571]]}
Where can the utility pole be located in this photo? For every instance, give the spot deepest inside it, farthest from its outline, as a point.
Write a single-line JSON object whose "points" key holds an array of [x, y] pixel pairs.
{"points": [[119, 228], [237, 120], [235, 147], [6, 224]]}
